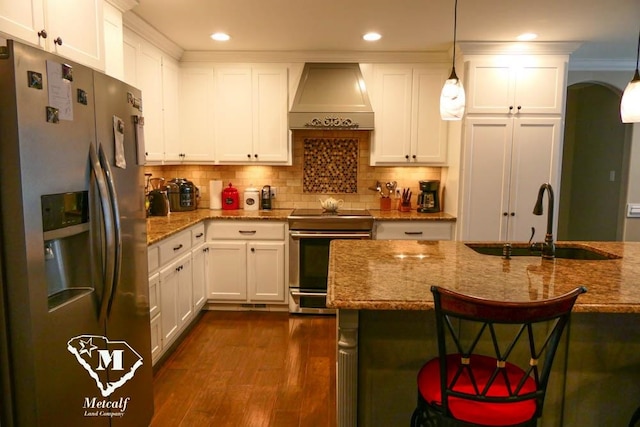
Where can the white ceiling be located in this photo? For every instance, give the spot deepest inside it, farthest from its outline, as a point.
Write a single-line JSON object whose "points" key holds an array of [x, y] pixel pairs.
{"points": [[608, 29]]}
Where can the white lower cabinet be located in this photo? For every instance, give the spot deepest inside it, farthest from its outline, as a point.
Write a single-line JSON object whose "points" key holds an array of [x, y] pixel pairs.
{"points": [[177, 267], [413, 230], [246, 262]]}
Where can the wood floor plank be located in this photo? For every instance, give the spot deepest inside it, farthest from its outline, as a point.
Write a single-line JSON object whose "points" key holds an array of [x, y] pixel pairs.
{"points": [[250, 369]]}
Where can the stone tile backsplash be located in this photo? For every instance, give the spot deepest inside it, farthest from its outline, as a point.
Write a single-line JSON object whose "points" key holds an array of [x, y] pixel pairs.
{"points": [[290, 180]]}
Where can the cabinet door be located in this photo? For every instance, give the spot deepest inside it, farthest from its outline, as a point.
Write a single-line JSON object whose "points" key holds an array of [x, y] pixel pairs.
{"points": [[185, 290], [270, 109], [535, 160], [80, 26], [540, 86], [169, 277], [489, 85], [23, 20], [156, 338], [149, 79], [174, 150], [428, 130], [265, 271], [113, 42], [196, 114], [154, 295], [487, 164], [199, 261], [233, 115], [391, 99], [227, 271]]}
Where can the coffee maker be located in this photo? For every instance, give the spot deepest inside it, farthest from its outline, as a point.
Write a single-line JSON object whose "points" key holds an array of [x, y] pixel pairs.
{"points": [[428, 200]]}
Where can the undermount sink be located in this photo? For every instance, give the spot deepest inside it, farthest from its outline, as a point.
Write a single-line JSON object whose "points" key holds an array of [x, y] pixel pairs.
{"points": [[564, 252]]}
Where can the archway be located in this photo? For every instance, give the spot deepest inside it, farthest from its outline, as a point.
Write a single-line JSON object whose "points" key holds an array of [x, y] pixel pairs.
{"points": [[595, 164]]}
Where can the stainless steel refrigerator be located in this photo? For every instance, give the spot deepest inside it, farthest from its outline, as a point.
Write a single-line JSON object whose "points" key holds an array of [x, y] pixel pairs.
{"points": [[75, 343]]}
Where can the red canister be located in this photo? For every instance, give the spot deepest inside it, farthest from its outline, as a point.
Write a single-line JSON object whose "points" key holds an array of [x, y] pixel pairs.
{"points": [[230, 198]]}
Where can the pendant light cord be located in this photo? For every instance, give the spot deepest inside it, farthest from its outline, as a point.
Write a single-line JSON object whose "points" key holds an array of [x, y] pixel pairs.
{"points": [[455, 30], [636, 76]]}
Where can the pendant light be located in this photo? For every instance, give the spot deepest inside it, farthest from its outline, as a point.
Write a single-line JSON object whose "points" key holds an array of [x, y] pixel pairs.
{"points": [[452, 98], [630, 104]]}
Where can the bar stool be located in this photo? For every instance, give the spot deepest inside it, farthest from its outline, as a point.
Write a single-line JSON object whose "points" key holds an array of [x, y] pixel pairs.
{"points": [[494, 360]]}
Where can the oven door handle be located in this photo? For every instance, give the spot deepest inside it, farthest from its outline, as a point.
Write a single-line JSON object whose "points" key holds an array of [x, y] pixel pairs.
{"points": [[296, 235], [296, 293]]}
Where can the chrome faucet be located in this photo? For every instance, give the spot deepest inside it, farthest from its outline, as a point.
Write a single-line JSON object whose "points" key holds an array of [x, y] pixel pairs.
{"points": [[548, 247]]}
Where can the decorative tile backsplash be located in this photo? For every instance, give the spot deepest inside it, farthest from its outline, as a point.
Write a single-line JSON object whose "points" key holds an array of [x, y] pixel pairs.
{"points": [[330, 165], [289, 179]]}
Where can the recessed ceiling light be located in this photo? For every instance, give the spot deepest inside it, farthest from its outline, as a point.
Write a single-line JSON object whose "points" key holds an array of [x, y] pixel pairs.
{"points": [[221, 37], [525, 37], [372, 37]]}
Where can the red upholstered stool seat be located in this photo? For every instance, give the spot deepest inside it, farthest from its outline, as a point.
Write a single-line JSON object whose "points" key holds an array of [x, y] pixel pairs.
{"points": [[485, 413]]}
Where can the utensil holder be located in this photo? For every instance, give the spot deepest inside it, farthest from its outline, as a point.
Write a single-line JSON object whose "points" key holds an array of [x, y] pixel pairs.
{"points": [[405, 206], [385, 204]]}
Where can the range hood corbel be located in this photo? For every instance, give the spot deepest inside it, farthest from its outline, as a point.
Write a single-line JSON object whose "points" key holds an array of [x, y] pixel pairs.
{"points": [[331, 96]]}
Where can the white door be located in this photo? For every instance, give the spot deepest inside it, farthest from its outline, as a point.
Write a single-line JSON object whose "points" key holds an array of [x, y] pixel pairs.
{"points": [[391, 99], [233, 115], [169, 277], [149, 80], [196, 114], [199, 264], [487, 166], [174, 148], [535, 161], [428, 130], [265, 269], [185, 290], [227, 274], [270, 115], [23, 19]]}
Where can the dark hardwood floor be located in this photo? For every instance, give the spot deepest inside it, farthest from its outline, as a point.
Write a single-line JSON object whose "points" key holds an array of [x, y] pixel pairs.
{"points": [[250, 369]]}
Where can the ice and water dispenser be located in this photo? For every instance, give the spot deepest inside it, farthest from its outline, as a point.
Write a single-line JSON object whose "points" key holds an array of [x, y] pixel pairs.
{"points": [[67, 246]]}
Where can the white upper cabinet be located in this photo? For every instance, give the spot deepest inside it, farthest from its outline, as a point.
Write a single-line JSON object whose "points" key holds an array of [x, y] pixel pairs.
{"points": [[251, 115], [196, 116], [74, 28], [519, 84], [408, 128], [156, 74]]}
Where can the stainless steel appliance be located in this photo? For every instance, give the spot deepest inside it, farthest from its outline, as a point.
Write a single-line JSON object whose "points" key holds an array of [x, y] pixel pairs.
{"points": [[429, 199], [75, 344], [310, 233], [265, 198], [182, 195]]}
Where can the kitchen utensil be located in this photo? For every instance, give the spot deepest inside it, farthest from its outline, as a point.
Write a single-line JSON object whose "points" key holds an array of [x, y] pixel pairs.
{"points": [[158, 203], [330, 204], [265, 197], [251, 197], [182, 195], [156, 183], [428, 200]]}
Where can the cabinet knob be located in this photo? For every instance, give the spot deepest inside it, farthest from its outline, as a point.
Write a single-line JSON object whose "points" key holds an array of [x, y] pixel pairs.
{"points": [[513, 214], [57, 41], [248, 156], [255, 155], [406, 157], [253, 249], [510, 108], [42, 33], [414, 157], [505, 214], [519, 108]]}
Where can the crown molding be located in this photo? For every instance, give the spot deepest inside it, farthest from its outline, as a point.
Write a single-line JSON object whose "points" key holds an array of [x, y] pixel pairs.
{"points": [[594, 64], [518, 48], [314, 56], [124, 5], [150, 34]]}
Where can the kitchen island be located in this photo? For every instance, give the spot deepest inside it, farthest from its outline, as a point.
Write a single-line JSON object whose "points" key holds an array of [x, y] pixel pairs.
{"points": [[386, 329]]}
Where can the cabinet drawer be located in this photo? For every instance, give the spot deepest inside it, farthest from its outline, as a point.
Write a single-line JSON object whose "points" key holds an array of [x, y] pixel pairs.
{"points": [[245, 230], [413, 230], [153, 258], [175, 246], [197, 235]]}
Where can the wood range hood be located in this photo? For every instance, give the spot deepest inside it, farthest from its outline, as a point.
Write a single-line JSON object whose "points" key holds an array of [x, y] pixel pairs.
{"points": [[331, 96]]}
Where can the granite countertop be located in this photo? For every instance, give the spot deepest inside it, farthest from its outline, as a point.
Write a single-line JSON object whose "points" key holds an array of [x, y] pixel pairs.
{"points": [[160, 227], [397, 275]]}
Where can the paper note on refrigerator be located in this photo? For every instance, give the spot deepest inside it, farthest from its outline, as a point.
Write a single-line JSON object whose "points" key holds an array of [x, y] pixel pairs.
{"points": [[118, 132], [59, 90]]}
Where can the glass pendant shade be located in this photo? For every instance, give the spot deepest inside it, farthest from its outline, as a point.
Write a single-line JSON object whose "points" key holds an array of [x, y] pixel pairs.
{"points": [[452, 99], [630, 104]]}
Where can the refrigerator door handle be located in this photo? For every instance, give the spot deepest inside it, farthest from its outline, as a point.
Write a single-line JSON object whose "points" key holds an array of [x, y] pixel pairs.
{"points": [[109, 235], [117, 229]]}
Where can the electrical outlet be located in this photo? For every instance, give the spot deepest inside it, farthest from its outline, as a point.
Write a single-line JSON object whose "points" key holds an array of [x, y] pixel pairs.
{"points": [[274, 192]]}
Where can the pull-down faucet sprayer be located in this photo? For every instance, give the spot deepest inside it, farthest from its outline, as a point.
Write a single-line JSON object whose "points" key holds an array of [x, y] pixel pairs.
{"points": [[548, 247]]}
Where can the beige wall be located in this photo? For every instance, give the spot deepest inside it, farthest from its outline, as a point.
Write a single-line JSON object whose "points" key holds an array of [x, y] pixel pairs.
{"points": [[288, 179], [619, 79]]}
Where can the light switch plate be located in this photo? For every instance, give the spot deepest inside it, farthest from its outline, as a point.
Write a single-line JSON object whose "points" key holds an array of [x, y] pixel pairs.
{"points": [[633, 210]]}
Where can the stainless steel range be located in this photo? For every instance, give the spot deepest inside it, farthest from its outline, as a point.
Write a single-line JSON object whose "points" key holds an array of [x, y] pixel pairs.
{"points": [[310, 232]]}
